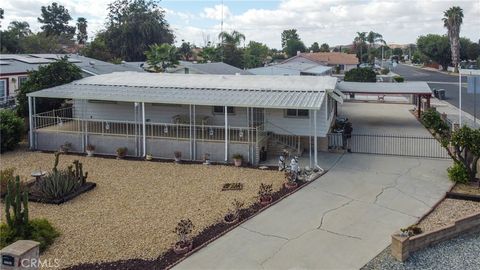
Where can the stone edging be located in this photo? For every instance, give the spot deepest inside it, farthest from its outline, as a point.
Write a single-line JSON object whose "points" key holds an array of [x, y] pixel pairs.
{"points": [[402, 246]]}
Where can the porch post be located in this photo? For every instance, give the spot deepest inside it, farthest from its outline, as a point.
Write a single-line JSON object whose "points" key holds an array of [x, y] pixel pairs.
{"points": [[226, 133], [428, 101], [194, 145], [310, 139], [419, 106], [190, 130], [315, 137], [248, 134], [144, 129], [30, 119]]}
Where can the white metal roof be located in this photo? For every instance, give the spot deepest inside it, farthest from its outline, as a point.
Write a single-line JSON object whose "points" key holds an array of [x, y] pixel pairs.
{"points": [[385, 88], [291, 92]]}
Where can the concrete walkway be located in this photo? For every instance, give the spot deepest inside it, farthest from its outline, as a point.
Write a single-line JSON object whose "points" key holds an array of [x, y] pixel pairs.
{"points": [[340, 221]]}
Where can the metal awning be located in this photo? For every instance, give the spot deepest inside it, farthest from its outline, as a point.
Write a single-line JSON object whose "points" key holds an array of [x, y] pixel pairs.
{"points": [[420, 88], [284, 92]]}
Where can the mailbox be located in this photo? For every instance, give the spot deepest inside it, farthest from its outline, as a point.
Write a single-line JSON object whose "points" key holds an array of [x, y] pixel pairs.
{"points": [[21, 255]]}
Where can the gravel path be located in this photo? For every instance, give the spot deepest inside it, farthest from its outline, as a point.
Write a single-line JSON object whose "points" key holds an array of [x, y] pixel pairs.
{"points": [[134, 208], [459, 253]]}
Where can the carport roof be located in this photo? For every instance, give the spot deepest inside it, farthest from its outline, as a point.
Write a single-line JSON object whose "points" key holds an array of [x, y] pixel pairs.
{"points": [[385, 88], [284, 92]]}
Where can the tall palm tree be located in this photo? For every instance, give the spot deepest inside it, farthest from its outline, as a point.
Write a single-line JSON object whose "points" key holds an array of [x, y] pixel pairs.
{"points": [[372, 39], [360, 40], [452, 20], [233, 39], [162, 56], [82, 35]]}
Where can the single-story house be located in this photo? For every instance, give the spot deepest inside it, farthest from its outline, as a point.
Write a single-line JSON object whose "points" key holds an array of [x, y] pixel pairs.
{"points": [[219, 115], [14, 68], [186, 67], [293, 68], [344, 61]]}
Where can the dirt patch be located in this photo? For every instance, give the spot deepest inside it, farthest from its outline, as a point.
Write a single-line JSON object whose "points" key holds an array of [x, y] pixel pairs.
{"points": [[472, 189], [136, 205]]}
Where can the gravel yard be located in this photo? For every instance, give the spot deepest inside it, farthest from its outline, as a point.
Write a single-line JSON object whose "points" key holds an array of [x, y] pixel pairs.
{"points": [[472, 189], [447, 212], [136, 205], [460, 253]]}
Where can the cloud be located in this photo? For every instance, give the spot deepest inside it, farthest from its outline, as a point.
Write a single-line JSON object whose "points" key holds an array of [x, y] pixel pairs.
{"points": [[215, 12]]}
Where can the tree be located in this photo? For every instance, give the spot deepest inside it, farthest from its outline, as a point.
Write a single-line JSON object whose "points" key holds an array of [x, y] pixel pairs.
{"points": [[452, 20], [210, 53], [315, 47], [11, 129], [54, 74], [162, 56], [234, 38], [359, 43], [435, 47], [98, 49], [230, 54], [82, 35], [1, 15], [293, 46], [466, 142], [185, 50], [132, 26], [55, 20], [41, 43], [473, 51], [290, 34], [256, 54], [324, 47], [20, 29], [397, 51], [360, 75]]}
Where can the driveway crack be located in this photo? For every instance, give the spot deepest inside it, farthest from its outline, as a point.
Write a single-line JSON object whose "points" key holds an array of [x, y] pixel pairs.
{"points": [[264, 234]]}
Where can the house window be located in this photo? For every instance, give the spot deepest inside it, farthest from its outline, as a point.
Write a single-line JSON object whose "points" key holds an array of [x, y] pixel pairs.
{"points": [[22, 80], [221, 110], [3, 88], [296, 113]]}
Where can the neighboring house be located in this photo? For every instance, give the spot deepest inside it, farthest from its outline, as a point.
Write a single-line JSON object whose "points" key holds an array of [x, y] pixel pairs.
{"points": [[293, 68], [207, 68], [14, 68], [344, 61], [220, 115]]}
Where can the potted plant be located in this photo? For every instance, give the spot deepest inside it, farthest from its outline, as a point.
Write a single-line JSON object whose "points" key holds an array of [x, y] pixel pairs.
{"points": [[121, 152], [178, 156], [206, 159], [237, 159], [149, 157], [90, 150], [410, 231], [265, 194], [290, 180], [233, 214], [183, 230], [67, 146]]}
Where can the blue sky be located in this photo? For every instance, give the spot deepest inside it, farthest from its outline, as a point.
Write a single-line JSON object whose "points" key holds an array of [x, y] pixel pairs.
{"points": [[332, 21]]}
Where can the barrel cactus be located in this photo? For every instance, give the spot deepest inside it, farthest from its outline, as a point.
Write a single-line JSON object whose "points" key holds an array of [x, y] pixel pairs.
{"points": [[16, 207]]}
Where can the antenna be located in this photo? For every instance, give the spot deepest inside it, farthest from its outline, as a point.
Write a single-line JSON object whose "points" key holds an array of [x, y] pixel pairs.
{"points": [[221, 32]]}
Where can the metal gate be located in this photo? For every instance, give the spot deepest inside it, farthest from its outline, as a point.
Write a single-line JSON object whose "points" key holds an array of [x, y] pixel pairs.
{"points": [[398, 145]]}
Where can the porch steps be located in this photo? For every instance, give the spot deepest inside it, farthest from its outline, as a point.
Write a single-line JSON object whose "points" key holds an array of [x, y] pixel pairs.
{"points": [[275, 147]]}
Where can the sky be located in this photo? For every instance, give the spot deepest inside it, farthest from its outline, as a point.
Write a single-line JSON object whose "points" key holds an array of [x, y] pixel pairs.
{"points": [[335, 22]]}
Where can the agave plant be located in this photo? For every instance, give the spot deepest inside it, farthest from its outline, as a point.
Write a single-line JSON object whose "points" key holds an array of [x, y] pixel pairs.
{"points": [[57, 184]]}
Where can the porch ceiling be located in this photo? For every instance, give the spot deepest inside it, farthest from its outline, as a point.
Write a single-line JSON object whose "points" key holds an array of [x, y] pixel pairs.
{"points": [[385, 88], [223, 90]]}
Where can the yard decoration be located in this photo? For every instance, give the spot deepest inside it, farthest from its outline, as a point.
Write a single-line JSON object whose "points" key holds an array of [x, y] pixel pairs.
{"points": [[265, 194], [183, 230], [206, 159], [148, 157], [233, 214], [290, 180], [177, 155], [237, 159], [232, 186], [121, 152], [90, 150], [66, 147]]}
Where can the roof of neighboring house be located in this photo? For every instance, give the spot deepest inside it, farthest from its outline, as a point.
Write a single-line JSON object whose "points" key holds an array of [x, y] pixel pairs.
{"points": [[212, 68], [291, 68], [23, 63], [385, 88], [287, 92], [329, 58]]}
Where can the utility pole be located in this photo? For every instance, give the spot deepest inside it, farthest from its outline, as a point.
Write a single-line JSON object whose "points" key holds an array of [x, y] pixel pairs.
{"points": [[221, 32]]}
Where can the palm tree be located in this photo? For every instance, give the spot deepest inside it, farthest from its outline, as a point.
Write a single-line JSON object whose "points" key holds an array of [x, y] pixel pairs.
{"points": [[360, 40], [233, 39], [452, 20], [82, 35], [162, 56], [373, 38]]}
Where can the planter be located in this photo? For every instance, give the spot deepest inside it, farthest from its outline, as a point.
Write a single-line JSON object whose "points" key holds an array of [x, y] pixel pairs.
{"points": [[181, 248], [237, 162], [207, 162], [90, 153], [228, 219], [178, 160], [291, 185], [148, 157], [266, 200]]}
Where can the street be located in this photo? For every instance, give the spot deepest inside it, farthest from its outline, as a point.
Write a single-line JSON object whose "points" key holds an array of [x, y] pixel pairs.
{"points": [[439, 80]]}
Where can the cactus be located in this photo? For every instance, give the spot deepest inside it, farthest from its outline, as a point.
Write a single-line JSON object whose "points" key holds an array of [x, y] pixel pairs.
{"points": [[55, 164], [16, 207], [79, 172]]}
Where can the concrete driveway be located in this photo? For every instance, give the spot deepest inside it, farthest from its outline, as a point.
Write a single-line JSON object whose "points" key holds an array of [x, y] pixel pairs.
{"points": [[340, 221]]}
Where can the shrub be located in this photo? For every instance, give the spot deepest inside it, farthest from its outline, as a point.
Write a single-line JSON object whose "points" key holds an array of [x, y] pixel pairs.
{"points": [[122, 151], [432, 120], [458, 173], [237, 156], [385, 71], [183, 230], [265, 191], [360, 75], [6, 175], [12, 129], [398, 79], [39, 230]]}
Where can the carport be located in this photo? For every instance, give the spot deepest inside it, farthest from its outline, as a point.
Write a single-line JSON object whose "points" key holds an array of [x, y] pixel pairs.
{"points": [[419, 90]]}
